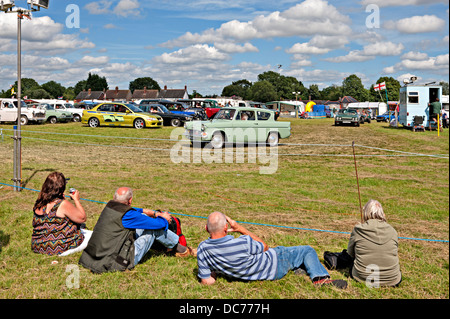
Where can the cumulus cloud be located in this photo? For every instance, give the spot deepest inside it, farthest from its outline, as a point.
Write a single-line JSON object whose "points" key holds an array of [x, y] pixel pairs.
{"points": [[123, 8], [417, 24], [414, 56], [236, 48], [306, 48], [196, 53], [90, 60], [311, 17], [439, 63], [40, 34], [370, 51]]}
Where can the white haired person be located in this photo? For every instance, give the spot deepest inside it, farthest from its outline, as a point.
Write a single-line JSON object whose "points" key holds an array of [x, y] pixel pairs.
{"points": [[374, 247]]}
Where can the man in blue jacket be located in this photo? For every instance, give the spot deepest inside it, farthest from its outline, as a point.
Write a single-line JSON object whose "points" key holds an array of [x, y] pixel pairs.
{"points": [[124, 234]]}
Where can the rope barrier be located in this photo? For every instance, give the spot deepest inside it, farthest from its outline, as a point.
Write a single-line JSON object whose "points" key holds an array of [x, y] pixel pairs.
{"points": [[403, 154], [251, 223]]}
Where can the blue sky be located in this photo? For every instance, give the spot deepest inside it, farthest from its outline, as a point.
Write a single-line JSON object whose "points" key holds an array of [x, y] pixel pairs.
{"points": [[208, 44]]}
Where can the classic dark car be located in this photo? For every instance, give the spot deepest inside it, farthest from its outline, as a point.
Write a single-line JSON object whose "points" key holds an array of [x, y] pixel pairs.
{"points": [[169, 118], [346, 116], [363, 116], [178, 108]]}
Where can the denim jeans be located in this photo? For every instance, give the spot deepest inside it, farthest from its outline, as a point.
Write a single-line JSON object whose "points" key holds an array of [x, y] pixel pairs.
{"points": [[146, 238], [291, 258]]}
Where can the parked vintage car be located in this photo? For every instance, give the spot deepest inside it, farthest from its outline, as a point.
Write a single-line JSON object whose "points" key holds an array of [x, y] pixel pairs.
{"points": [[9, 110], [197, 113], [363, 116], [63, 105], [169, 118], [52, 115], [347, 116], [120, 114], [239, 125], [385, 117]]}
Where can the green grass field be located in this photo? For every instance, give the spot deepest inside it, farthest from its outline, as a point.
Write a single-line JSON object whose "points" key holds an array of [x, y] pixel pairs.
{"points": [[314, 188]]}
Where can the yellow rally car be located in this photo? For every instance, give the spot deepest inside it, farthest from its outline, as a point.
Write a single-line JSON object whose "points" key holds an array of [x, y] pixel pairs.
{"points": [[120, 114]]}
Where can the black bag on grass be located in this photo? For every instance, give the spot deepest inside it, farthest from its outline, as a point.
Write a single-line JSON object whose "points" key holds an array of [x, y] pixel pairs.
{"points": [[336, 261]]}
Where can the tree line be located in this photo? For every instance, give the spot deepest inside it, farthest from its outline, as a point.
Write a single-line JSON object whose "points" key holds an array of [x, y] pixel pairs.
{"points": [[270, 86]]}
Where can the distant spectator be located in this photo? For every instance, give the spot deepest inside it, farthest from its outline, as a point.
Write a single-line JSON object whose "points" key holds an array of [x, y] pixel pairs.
{"points": [[56, 221], [435, 110], [374, 247]]}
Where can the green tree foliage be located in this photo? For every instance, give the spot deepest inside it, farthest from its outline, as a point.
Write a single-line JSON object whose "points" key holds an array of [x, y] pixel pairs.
{"points": [[141, 83], [263, 91], [331, 93], [445, 89], [54, 89], [238, 88], [352, 86], [38, 93], [96, 83], [69, 93], [80, 86], [284, 85], [393, 90], [314, 92]]}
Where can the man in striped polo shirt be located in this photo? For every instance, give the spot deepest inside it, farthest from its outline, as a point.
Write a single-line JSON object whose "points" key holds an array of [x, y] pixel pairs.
{"points": [[249, 258]]}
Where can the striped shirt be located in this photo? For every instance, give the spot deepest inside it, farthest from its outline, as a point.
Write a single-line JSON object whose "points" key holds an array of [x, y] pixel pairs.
{"points": [[242, 258]]}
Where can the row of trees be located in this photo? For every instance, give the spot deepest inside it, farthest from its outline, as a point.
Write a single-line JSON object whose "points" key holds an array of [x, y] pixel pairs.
{"points": [[54, 90], [270, 86]]}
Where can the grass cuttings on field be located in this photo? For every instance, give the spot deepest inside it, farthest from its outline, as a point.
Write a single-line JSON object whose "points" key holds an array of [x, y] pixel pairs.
{"points": [[315, 194]]}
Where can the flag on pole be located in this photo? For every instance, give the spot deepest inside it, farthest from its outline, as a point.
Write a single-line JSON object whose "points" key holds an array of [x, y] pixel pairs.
{"points": [[380, 87]]}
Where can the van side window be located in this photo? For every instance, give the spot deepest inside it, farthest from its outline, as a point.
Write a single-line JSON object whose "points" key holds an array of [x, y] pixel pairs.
{"points": [[413, 97]]}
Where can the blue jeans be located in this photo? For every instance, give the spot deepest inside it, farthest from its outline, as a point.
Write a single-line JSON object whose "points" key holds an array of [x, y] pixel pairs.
{"points": [[146, 238], [291, 258]]}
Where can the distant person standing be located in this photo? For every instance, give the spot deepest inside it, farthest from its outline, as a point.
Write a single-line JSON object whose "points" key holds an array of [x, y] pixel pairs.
{"points": [[435, 110]]}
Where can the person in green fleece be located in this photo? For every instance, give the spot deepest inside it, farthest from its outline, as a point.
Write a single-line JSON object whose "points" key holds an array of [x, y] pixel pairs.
{"points": [[374, 247]]}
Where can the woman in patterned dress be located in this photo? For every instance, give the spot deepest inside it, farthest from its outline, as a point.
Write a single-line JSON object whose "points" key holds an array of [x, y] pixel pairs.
{"points": [[56, 221]]}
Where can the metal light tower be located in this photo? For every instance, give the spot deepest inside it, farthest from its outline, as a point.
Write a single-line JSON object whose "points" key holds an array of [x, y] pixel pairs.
{"points": [[8, 6]]}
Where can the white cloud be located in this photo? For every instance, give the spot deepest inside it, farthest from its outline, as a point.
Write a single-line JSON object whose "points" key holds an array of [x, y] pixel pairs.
{"points": [[123, 8], [99, 7], [311, 17], [235, 48], [369, 52], [37, 29], [388, 3], [126, 8], [414, 56], [109, 26], [439, 64], [90, 60], [40, 34], [383, 48], [199, 53], [417, 24], [306, 48]]}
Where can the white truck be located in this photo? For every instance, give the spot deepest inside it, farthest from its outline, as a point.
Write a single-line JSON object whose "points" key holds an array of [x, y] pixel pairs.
{"points": [[8, 112]]}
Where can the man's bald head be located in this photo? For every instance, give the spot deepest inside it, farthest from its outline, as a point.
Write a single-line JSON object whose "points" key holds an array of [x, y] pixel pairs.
{"points": [[123, 195], [216, 222]]}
